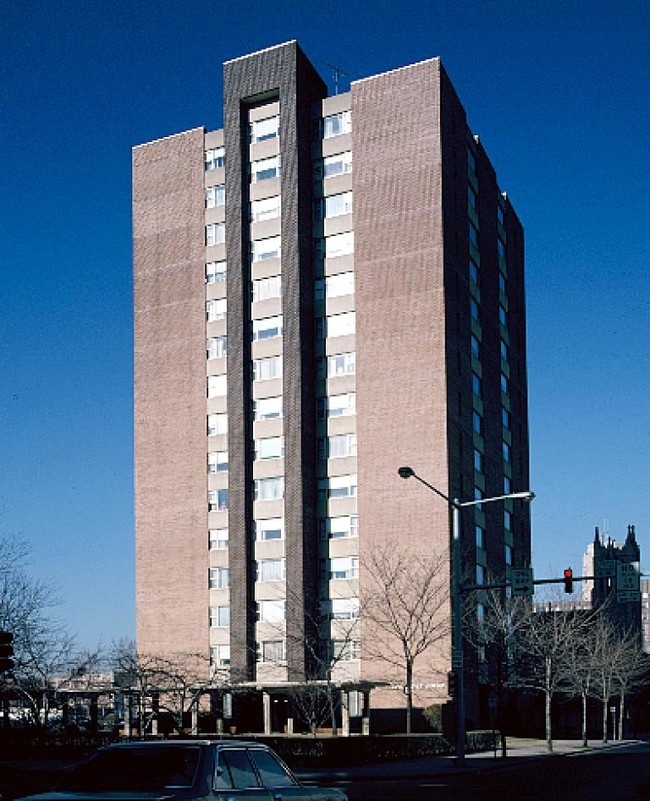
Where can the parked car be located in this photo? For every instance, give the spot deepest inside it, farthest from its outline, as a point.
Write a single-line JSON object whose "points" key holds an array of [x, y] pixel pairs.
{"points": [[218, 770]]}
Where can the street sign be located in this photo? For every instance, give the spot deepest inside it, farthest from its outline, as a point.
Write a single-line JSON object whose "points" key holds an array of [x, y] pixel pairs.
{"points": [[521, 581], [628, 585]]}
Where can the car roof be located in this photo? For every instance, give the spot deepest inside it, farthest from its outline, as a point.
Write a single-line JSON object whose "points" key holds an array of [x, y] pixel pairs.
{"points": [[185, 743]]}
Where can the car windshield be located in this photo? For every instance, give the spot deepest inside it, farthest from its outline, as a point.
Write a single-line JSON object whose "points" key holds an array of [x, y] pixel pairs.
{"points": [[135, 769]]}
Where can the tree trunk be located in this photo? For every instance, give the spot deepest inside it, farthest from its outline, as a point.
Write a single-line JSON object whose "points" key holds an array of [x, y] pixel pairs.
{"points": [[409, 694], [605, 726], [584, 719], [621, 717], [547, 705]]}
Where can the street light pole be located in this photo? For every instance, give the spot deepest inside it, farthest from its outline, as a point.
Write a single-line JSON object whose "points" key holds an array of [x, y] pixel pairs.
{"points": [[457, 656]]}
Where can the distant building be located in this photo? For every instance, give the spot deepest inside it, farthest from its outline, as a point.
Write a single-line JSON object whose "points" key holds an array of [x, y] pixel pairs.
{"points": [[607, 560], [325, 289]]}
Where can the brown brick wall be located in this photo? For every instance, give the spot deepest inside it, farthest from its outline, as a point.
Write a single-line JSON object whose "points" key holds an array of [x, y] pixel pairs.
{"points": [[170, 391], [401, 359]]}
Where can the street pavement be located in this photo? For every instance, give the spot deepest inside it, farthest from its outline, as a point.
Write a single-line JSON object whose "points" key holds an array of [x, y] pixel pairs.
{"points": [[518, 749]]}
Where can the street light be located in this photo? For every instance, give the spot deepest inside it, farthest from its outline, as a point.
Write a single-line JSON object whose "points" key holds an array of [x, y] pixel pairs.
{"points": [[457, 661]]}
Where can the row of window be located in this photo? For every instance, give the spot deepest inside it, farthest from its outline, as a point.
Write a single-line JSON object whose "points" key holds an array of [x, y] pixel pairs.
{"points": [[272, 528], [271, 488], [335, 609]]}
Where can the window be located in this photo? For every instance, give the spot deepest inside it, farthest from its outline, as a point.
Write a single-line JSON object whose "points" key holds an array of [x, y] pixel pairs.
{"points": [[507, 485], [267, 368], [473, 309], [504, 351], [340, 325], [476, 385], [342, 445], [339, 245], [215, 196], [215, 233], [473, 235], [214, 158], [271, 611], [339, 164], [337, 124], [266, 209], [339, 284], [219, 578], [270, 570], [217, 347], [269, 448], [344, 608], [473, 271], [480, 537], [471, 161], [216, 310], [502, 283], [217, 424], [504, 383], [336, 205], [508, 554], [477, 422], [217, 461], [345, 650], [272, 651], [268, 408], [505, 448], [265, 249], [266, 288], [500, 215], [218, 539], [269, 489], [507, 520], [344, 567], [476, 347], [342, 486], [270, 528], [471, 198], [501, 250], [503, 316], [341, 364], [215, 271], [337, 405], [505, 418], [235, 771], [218, 500], [220, 616], [478, 461], [480, 574], [217, 386], [265, 169], [343, 526], [267, 328], [220, 655], [261, 130]]}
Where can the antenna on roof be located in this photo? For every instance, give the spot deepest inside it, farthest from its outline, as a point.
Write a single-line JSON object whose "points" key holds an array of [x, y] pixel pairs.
{"points": [[337, 74]]}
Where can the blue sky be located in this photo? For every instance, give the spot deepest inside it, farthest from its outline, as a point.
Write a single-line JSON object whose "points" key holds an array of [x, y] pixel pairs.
{"points": [[558, 92]]}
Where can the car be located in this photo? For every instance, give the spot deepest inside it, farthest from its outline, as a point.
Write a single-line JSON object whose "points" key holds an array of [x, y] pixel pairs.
{"points": [[214, 770]]}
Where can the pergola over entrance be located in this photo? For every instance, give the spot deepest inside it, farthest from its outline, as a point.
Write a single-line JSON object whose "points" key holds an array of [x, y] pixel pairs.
{"points": [[290, 692]]}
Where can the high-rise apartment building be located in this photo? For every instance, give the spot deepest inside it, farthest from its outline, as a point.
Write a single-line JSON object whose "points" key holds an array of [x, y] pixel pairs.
{"points": [[326, 289]]}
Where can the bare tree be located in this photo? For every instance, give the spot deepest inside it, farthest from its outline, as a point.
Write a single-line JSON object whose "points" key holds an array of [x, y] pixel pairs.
{"points": [[406, 600], [543, 648], [42, 644], [494, 633], [174, 685]]}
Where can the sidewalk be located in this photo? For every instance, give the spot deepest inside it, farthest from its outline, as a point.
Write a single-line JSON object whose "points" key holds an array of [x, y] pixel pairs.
{"points": [[518, 749]]}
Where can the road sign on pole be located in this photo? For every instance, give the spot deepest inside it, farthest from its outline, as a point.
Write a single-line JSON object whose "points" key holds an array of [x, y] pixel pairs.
{"points": [[628, 584], [521, 581]]}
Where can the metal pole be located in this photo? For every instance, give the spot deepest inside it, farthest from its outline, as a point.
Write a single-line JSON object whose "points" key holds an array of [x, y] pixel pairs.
{"points": [[457, 645]]}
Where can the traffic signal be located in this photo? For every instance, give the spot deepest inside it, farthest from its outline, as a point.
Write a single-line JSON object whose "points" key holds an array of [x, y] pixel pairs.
{"points": [[452, 683], [568, 580], [6, 651]]}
